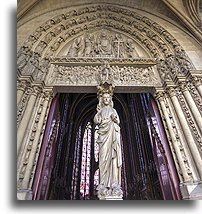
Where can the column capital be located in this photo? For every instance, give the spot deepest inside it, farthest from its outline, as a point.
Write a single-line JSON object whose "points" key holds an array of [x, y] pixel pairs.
{"points": [[171, 91], [159, 95], [195, 76], [21, 84], [183, 85], [36, 89], [47, 94], [197, 81]]}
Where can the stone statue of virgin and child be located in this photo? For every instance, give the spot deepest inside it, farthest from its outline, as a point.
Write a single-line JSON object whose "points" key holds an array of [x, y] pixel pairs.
{"points": [[110, 157]]}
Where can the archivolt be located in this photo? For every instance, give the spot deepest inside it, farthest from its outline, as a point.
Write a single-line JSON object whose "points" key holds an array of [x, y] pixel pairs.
{"points": [[50, 37]]}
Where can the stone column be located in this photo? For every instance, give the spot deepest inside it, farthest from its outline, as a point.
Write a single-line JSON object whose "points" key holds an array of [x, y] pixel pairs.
{"points": [[198, 84], [186, 172], [196, 96], [192, 106], [186, 130], [21, 85], [195, 76], [26, 117], [34, 140]]}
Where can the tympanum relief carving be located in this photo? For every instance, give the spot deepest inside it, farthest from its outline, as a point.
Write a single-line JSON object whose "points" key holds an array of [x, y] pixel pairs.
{"points": [[103, 55], [102, 43]]}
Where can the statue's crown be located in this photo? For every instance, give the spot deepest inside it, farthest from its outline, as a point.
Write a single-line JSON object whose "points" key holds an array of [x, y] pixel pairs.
{"points": [[105, 88]]}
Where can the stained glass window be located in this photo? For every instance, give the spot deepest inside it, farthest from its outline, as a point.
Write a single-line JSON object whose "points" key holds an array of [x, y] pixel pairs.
{"points": [[96, 178], [85, 162], [76, 163], [96, 146]]}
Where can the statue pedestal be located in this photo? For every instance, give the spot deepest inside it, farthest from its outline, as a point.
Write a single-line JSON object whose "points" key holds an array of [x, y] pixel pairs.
{"points": [[106, 193], [111, 197]]}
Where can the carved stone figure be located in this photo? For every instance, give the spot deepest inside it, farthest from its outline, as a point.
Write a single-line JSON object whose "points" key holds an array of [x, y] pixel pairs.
{"points": [[110, 158], [23, 57], [74, 48], [32, 65], [104, 47], [42, 71], [130, 49], [163, 70], [105, 73], [88, 42]]}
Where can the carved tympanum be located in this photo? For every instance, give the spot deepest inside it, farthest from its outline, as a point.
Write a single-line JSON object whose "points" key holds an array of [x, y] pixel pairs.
{"points": [[103, 43]]}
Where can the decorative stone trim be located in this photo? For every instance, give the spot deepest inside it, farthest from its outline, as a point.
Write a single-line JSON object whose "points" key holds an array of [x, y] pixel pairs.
{"points": [[181, 160], [44, 97], [189, 118], [23, 103], [195, 96]]}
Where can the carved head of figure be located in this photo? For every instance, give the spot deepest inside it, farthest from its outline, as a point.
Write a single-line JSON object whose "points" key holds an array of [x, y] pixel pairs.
{"points": [[103, 35], [106, 99], [105, 93]]}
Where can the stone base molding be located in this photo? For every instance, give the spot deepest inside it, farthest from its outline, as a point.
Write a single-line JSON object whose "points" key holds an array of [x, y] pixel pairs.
{"points": [[113, 193], [24, 195], [191, 190]]}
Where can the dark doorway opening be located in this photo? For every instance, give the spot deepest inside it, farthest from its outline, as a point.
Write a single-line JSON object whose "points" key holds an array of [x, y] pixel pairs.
{"points": [[68, 167]]}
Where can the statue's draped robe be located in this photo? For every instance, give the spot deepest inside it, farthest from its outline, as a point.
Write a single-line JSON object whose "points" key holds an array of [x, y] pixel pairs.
{"points": [[110, 158]]}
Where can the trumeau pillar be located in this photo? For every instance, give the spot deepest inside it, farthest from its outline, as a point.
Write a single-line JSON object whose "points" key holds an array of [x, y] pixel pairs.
{"points": [[30, 147]]}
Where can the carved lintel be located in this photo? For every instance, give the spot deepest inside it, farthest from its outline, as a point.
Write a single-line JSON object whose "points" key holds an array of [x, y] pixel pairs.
{"points": [[92, 75]]}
